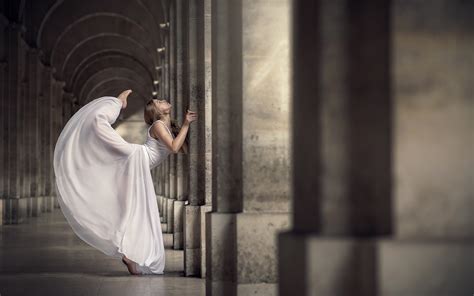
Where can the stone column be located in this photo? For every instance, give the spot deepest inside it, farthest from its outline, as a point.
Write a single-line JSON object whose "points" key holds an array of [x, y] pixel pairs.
{"points": [[342, 202], [57, 123], [3, 144], [67, 100], [46, 137], [182, 99], [164, 165], [40, 128], [433, 119], [173, 100], [33, 128], [200, 94], [15, 208], [250, 137], [3, 118]]}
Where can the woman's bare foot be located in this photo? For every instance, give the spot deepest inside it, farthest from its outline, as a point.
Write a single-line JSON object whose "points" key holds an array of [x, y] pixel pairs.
{"points": [[131, 266], [123, 97]]}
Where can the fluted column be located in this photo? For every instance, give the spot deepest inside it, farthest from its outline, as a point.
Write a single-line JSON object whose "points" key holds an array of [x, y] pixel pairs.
{"points": [[181, 104]]}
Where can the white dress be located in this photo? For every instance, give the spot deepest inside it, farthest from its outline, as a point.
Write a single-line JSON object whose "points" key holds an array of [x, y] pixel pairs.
{"points": [[104, 186]]}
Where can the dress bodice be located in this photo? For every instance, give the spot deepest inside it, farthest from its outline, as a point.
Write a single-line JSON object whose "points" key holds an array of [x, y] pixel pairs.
{"points": [[157, 150]]}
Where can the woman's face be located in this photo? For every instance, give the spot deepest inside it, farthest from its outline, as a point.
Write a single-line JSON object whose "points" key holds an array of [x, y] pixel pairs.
{"points": [[162, 105]]}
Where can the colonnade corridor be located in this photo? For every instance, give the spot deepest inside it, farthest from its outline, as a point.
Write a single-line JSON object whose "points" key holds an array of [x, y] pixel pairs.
{"points": [[332, 154]]}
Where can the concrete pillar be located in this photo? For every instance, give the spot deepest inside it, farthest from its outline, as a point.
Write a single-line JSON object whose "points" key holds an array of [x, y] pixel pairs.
{"points": [[250, 137], [15, 208], [182, 99], [200, 170]]}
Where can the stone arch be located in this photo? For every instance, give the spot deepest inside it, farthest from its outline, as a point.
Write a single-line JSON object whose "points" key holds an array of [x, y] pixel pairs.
{"points": [[105, 43], [59, 16], [106, 74], [104, 62], [97, 24], [117, 83]]}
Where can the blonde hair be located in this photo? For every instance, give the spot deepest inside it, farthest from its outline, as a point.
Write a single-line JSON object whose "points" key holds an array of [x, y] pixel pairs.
{"points": [[152, 114]]}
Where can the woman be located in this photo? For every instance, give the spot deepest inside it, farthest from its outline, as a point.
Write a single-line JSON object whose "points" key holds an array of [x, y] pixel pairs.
{"points": [[104, 184]]}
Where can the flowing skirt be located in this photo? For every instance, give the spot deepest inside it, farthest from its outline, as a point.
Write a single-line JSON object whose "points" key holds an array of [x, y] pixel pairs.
{"points": [[104, 187]]}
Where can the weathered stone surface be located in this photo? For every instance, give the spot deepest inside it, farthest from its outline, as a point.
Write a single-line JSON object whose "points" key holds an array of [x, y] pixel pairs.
{"points": [[327, 266], [428, 267], [257, 246], [243, 247], [433, 120], [178, 218], [170, 215], [204, 210], [265, 106], [192, 235]]}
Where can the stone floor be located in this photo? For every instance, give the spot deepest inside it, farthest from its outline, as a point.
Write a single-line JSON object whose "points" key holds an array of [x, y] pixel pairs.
{"points": [[44, 257]]}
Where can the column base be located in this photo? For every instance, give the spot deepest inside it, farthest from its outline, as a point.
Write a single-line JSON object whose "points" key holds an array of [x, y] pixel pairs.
{"points": [[192, 234], [164, 213], [29, 206], [241, 255], [55, 202], [204, 210], [14, 210], [47, 205], [36, 206], [159, 202], [164, 227], [178, 211], [170, 215], [315, 265]]}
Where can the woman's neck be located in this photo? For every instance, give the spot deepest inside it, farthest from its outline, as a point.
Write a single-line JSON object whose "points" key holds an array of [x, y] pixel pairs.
{"points": [[166, 119]]}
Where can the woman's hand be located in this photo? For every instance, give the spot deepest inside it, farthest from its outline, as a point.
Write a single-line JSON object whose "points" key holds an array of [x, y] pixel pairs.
{"points": [[190, 117], [123, 97]]}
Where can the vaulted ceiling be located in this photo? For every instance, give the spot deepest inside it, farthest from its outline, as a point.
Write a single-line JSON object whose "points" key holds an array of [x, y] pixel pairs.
{"points": [[96, 47]]}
